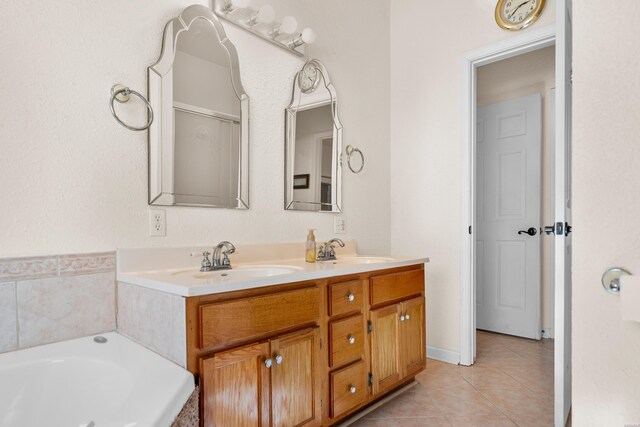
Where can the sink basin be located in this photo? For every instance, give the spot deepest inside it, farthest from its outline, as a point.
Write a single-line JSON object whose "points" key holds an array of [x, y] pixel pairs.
{"points": [[245, 272], [360, 260]]}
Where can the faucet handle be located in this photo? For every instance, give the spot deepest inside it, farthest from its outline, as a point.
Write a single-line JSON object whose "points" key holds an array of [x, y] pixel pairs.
{"points": [[205, 264]]}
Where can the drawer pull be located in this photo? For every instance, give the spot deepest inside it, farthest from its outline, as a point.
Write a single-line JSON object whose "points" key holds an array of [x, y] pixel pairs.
{"points": [[351, 339], [352, 389], [351, 297], [279, 359], [268, 363]]}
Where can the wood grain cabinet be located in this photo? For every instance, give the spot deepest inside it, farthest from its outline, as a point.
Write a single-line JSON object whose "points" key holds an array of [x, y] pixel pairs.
{"points": [[309, 353], [274, 383]]}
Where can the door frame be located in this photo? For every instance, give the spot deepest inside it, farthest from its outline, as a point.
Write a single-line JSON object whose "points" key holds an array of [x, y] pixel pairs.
{"points": [[513, 46]]}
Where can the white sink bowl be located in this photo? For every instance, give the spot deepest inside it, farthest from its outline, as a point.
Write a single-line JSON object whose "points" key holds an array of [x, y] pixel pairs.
{"points": [[360, 260], [243, 272]]}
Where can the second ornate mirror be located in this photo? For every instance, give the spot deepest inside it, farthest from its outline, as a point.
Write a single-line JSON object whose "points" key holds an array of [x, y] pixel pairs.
{"points": [[313, 143], [199, 143]]}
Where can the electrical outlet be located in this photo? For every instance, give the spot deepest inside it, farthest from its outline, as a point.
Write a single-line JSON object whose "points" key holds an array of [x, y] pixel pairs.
{"points": [[339, 225], [157, 222]]}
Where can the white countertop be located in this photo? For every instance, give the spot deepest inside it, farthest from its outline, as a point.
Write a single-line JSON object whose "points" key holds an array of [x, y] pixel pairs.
{"points": [[189, 281]]}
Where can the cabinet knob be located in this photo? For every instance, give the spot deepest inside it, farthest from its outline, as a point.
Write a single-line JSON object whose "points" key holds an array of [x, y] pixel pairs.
{"points": [[402, 317], [279, 359], [352, 389], [268, 363], [351, 297], [351, 339], [406, 316]]}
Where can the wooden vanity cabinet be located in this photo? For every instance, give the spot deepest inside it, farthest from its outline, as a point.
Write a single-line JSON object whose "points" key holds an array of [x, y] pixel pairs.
{"points": [[274, 383], [398, 347], [308, 353]]}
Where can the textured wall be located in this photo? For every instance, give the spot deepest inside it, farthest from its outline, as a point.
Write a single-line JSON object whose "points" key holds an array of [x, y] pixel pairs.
{"points": [[425, 134], [606, 208], [73, 180]]}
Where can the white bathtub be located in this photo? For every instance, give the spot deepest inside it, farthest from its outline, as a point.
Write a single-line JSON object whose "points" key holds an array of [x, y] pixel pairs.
{"points": [[80, 382]]}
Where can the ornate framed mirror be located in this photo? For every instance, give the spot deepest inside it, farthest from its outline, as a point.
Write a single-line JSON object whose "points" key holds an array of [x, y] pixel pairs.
{"points": [[313, 143], [199, 142]]}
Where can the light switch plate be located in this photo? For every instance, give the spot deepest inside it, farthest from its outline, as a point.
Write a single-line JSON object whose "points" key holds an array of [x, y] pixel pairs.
{"points": [[339, 225], [157, 222]]}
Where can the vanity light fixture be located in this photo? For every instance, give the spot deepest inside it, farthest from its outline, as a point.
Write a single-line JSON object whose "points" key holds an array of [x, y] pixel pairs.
{"points": [[307, 36], [261, 22], [288, 26]]}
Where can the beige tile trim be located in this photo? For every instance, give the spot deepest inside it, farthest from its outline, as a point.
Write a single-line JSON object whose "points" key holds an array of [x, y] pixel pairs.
{"points": [[12, 269], [87, 263]]}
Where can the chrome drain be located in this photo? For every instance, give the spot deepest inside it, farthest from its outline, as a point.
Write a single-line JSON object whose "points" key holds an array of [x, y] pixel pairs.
{"points": [[100, 339]]}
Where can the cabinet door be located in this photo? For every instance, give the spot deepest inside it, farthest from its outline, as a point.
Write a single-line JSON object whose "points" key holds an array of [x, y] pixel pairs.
{"points": [[235, 387], [295, 381], [385, 348], [412, 331]]}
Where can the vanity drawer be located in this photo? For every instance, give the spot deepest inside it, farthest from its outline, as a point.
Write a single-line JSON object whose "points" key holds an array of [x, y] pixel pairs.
{"points": [[227, 322], [347, 340], [345, 297], [396, 286], [348, 388]]}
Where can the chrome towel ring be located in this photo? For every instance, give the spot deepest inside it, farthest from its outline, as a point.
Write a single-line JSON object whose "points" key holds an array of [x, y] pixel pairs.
{"points": [[350, 151], [122, 94]]}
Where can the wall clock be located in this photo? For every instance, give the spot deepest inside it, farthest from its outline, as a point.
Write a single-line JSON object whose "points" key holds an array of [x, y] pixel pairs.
{"points": [[309, 77], [518, 14]]}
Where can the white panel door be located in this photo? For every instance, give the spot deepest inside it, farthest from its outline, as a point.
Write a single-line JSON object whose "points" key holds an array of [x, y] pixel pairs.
{"points": [[562, 204], [508, 202]]}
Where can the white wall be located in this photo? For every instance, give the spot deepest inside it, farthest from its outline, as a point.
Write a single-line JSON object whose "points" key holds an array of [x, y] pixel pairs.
{"points": [[606, 208], [425, 135], [72, 180], [523, 75]]}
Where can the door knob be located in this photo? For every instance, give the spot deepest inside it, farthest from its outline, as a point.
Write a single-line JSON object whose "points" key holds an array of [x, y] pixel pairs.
{"points": [[531, 231]]}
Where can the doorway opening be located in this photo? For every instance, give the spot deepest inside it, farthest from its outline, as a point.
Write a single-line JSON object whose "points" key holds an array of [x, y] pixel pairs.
{"points": [[514, 188], [526, 42]]}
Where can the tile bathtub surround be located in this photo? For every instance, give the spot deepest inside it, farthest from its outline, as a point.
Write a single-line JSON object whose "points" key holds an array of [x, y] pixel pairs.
{"points": [[62, 308], [511, 384], [12, 269], [154, 319], [8, 317], [46, 299]]}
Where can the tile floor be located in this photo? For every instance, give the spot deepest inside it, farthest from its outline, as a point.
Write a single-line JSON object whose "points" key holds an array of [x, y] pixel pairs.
{"points": [[511, 384]]}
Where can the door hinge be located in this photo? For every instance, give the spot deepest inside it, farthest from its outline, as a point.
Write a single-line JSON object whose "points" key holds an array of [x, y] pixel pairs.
{"points": [[369, 326], [370, 378], [469, 229]]}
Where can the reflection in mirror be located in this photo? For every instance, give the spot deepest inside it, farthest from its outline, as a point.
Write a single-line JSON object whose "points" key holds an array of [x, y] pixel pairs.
{"points": [[313, 143], [198, 149]]}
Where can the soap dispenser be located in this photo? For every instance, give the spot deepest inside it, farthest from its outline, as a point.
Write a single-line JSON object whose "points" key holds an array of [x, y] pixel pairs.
{"points": [[310, 247]]}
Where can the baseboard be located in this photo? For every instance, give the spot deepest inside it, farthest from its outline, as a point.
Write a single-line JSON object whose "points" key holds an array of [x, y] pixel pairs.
{"points": [[443, 355]]}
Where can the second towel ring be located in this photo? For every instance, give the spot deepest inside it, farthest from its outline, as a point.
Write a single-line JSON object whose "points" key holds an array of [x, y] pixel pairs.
{"points": [[121, 94], [350, 151]]}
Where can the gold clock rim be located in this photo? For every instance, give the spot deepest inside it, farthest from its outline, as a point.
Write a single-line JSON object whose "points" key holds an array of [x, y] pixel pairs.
{"points": [[520, 25]]}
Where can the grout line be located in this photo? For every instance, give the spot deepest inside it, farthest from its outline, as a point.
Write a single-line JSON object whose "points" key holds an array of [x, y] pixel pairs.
{"points": [[15, 290]]}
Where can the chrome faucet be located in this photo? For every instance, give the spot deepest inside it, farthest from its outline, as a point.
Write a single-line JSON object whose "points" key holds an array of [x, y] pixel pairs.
{"points": [[221, 256], [327, 252]]}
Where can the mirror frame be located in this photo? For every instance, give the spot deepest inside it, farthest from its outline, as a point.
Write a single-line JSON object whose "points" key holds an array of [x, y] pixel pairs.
{"points": [[159, 83], [300, 102]]}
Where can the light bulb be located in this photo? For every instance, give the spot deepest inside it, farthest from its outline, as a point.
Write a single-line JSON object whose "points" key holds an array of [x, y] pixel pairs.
{"points": [[289, 25], [266, 14], [308, 36]]}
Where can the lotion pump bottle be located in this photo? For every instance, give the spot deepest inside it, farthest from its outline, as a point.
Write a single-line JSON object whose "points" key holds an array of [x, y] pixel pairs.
{"points": [[310, 247]]}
